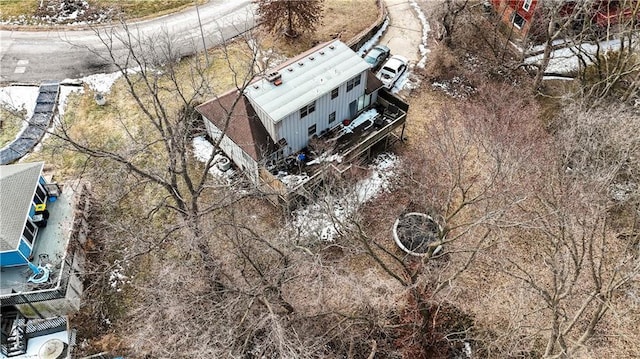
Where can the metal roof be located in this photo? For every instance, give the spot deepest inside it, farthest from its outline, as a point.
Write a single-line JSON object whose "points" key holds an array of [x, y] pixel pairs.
{"points": [[306, 78], [17, 187]]}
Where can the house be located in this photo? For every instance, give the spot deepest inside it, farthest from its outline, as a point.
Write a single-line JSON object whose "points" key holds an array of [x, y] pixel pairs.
{"points": [[518, 14], [523, 16], [317, 96], [43, 230]]}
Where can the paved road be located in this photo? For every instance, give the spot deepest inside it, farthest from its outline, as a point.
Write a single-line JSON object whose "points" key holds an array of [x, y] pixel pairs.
{"points": [[58, 55], [404, 34]]}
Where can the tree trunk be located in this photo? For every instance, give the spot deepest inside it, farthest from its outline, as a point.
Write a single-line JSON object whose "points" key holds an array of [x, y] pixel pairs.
{"points": [[290, 32]]}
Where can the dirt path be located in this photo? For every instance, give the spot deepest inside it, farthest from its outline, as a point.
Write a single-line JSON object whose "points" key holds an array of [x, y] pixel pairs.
{"points": [[404, 34]]}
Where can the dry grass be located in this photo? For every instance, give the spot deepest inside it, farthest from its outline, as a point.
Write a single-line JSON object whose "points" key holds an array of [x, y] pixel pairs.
{"points": [[10, 8], [10, 125], [342, 19], [132, 9]]}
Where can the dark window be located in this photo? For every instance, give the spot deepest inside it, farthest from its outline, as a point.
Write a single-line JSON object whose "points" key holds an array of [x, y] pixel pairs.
{"points": [[334, 93], [307, 110], [353, 83], [518, 21], [40, 195], [332, 117], [312, 130], [29, 232], [527, 5]]}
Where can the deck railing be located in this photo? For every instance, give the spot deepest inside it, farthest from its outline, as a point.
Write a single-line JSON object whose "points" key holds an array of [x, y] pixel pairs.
{"points": [[349, 153], [74, 248]]}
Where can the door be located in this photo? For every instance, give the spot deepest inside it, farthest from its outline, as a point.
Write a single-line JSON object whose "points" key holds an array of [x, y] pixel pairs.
{"points": [[353, 109]]}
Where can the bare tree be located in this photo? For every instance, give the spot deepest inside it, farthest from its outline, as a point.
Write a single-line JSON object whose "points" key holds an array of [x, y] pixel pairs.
{"points": [[567, 254], [460, 174], [450, 11], [583, 26], [294, 17], [153, 142]]}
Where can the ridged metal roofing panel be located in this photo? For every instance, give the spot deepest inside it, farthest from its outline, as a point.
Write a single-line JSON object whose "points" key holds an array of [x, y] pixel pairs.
{"points": [[306, 78]]}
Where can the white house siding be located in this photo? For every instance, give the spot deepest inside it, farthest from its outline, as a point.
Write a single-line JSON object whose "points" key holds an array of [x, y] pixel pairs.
{"points": [[235, 153], [295, 130]]}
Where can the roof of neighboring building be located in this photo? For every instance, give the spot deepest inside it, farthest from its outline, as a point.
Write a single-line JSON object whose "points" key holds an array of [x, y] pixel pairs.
{"points": [[244, 126], [305, 78], [17, 187]]}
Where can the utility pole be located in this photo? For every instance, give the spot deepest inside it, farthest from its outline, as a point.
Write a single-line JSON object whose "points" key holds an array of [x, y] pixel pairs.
{"points": [[204, 43]]}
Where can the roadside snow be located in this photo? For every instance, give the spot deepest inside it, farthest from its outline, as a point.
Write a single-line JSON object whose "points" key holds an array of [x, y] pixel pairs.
{"points": [[424, 51], [561, 78], [374, 40], [101, 82], [325, 219], [403, 82], [540, 48], [18, 98], [566, 60], [202, 151]]}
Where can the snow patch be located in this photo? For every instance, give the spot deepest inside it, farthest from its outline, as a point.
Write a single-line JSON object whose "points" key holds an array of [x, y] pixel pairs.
{"points": [[116, 278], [402, 82], [540, 48], [325, 157], [364, 117], [561, 78], [101, 82], [457, 87], [567, 60], [203, 150], [18, 98], [374, 40], [325, 219], [424, 51], [292, 181]]}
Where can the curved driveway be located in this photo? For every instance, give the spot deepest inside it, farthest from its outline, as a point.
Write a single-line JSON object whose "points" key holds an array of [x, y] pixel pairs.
{"points": [[404, 34], [27, 56]]}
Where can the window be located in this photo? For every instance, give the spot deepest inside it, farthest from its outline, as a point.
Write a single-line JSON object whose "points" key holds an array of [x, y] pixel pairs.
{"points": [[308, 109], [40, 196], [332, 117], [312, 130], [518, 21], [334, 93], [353, 83], [527, 5], [29, 232]]}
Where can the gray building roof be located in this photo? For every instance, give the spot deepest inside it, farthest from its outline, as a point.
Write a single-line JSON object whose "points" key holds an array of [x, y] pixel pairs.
{"points": [[305, 78], [17, 187]]}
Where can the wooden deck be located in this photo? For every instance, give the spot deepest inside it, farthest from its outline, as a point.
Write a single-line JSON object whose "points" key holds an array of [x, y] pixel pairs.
{"points": [[350, 147]]}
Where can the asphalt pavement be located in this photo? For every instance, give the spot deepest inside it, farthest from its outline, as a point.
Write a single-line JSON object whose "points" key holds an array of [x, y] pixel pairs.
{"points": [[36, 56]]}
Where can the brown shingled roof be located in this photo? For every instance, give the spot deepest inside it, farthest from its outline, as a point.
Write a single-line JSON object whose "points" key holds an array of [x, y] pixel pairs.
{"points": [[244, 127]]}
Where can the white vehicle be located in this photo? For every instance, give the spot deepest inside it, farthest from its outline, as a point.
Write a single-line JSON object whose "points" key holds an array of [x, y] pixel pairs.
{"points": [[392, 70]]}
